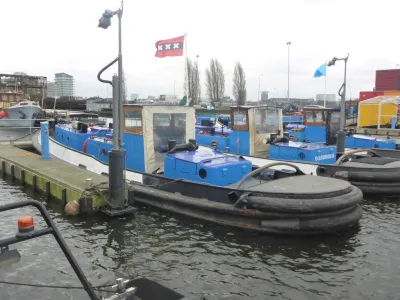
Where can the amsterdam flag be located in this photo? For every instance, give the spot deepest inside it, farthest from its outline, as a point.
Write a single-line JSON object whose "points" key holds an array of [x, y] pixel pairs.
{"points": [[171, 47]]}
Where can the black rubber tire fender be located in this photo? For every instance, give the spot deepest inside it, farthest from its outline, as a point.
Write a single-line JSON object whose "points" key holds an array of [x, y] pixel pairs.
{"points": [[295, 226], [362, 176], [293, 205]]}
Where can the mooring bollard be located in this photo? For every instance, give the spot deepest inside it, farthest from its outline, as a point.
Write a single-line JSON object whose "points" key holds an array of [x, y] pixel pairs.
{"points": [[44, 134]]}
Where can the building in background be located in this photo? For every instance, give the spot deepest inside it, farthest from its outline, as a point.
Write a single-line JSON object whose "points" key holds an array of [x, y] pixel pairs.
{"points": [[51, 89], [134, 97], [387, 83], [331, 100], [329, 97], [264, 97], [300, 102], [99, 104], [32, 87], [168, 98], [387, 80], [65, 85]]}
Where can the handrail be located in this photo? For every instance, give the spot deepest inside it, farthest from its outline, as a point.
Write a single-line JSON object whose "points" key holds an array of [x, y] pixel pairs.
{"points": [[105, 68], [57, 235]]}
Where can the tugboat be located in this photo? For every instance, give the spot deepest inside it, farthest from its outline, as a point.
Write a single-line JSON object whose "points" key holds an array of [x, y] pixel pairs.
{"points": [[257, 135], [167, 169], [321, 126]]}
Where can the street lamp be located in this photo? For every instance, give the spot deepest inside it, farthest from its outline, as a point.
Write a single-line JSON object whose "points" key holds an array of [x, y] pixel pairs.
{"points": [[341, 137], [198, 79], [288, 69], [116, 156], [259, 86]]}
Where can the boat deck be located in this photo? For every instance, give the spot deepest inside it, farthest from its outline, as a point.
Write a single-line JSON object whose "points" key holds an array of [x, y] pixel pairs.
{"points": [[55, 178]]}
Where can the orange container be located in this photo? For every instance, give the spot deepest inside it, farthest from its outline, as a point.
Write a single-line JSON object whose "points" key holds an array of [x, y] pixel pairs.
{"points": [[391, 93]]}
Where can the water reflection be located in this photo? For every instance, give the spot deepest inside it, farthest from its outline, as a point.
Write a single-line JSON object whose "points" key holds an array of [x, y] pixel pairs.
{"points": [[196, 257]]}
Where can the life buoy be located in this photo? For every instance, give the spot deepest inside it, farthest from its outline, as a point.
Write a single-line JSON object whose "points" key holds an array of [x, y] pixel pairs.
{"points": [[84, 146]]}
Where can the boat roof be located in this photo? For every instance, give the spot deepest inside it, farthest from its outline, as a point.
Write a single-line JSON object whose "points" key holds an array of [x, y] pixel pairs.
{"points": [[156, 104], [254, 106], [322, 108]]}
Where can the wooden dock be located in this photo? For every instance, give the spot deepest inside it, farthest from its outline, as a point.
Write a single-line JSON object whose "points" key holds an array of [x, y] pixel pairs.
{"points": [[55, 178]]}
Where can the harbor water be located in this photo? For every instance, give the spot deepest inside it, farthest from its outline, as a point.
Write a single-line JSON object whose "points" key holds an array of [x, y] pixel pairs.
{"points": [[195, 257]]}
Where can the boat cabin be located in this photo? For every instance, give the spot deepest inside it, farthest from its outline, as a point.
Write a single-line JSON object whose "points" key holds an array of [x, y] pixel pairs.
{"points": [[148, 128], [320, 126], [161, 139], [251, 129]]}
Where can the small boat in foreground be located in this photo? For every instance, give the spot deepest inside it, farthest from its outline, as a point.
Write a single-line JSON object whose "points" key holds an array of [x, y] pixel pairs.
{"points": [[167, 169], [136, 289]]}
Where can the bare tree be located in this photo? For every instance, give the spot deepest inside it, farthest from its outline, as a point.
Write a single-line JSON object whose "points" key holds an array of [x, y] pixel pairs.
{"points": [[215, 81], [239, 84], [192, 82]]}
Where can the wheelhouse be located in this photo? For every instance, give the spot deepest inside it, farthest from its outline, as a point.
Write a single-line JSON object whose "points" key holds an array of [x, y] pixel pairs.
{"points": [[148, 128]]}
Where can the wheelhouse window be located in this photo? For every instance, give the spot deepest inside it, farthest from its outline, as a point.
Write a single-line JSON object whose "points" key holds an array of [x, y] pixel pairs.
{"points": [[167, 127], [169, 120], [266, 120], [239, 120], [133, 120], [315, 116]]}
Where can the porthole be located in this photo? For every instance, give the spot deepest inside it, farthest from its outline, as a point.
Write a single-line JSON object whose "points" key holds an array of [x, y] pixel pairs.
{"points": [[202, 173]]}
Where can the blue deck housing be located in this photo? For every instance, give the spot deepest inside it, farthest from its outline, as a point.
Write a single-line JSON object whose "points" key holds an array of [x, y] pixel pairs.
{"points": [[214, 168], [206, 140], [309, 134], [361, 141], [306, 152], [99, 149], [74, 139]]}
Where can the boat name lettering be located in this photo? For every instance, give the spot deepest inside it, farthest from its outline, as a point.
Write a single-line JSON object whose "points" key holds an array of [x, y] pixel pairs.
{"points": [[325, 156]]}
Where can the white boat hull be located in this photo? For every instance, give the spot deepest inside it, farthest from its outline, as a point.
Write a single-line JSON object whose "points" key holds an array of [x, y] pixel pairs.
{"points": [[21, 115], [81, 159], [77, 158]]}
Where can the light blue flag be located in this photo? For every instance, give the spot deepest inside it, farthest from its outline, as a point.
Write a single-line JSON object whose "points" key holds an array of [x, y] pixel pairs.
{"points": [[321, 71]]}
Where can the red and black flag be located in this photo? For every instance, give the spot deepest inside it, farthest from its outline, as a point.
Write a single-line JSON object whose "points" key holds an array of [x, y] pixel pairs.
{"points": [[171, 47]]}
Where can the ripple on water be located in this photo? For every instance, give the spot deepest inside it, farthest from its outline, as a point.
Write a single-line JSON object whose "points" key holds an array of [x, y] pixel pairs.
{"points": [[195, 257]]}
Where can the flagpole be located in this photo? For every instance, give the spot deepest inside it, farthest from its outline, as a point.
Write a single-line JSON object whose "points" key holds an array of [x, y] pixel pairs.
{"points": [[186, 72], [326, 74]]}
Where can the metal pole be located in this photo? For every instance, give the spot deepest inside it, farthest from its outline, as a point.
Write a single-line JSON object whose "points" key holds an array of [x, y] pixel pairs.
{"points": [[341, 138], [198, 80], [121, 79], [115, 112], [343, 101], [325, 91], [259, 84], [288, 74], [116, 165]]}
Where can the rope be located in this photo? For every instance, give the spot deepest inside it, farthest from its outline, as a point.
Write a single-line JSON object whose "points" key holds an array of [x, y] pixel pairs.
{"points": [[97, 190], [98, 287], [152, 185]]}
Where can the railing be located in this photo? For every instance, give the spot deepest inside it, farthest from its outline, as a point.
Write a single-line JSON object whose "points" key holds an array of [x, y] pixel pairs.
{"points": [[32, 128]]}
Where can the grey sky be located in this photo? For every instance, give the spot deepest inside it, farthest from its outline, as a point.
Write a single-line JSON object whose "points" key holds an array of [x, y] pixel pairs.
{"points": [[46, 36]]}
